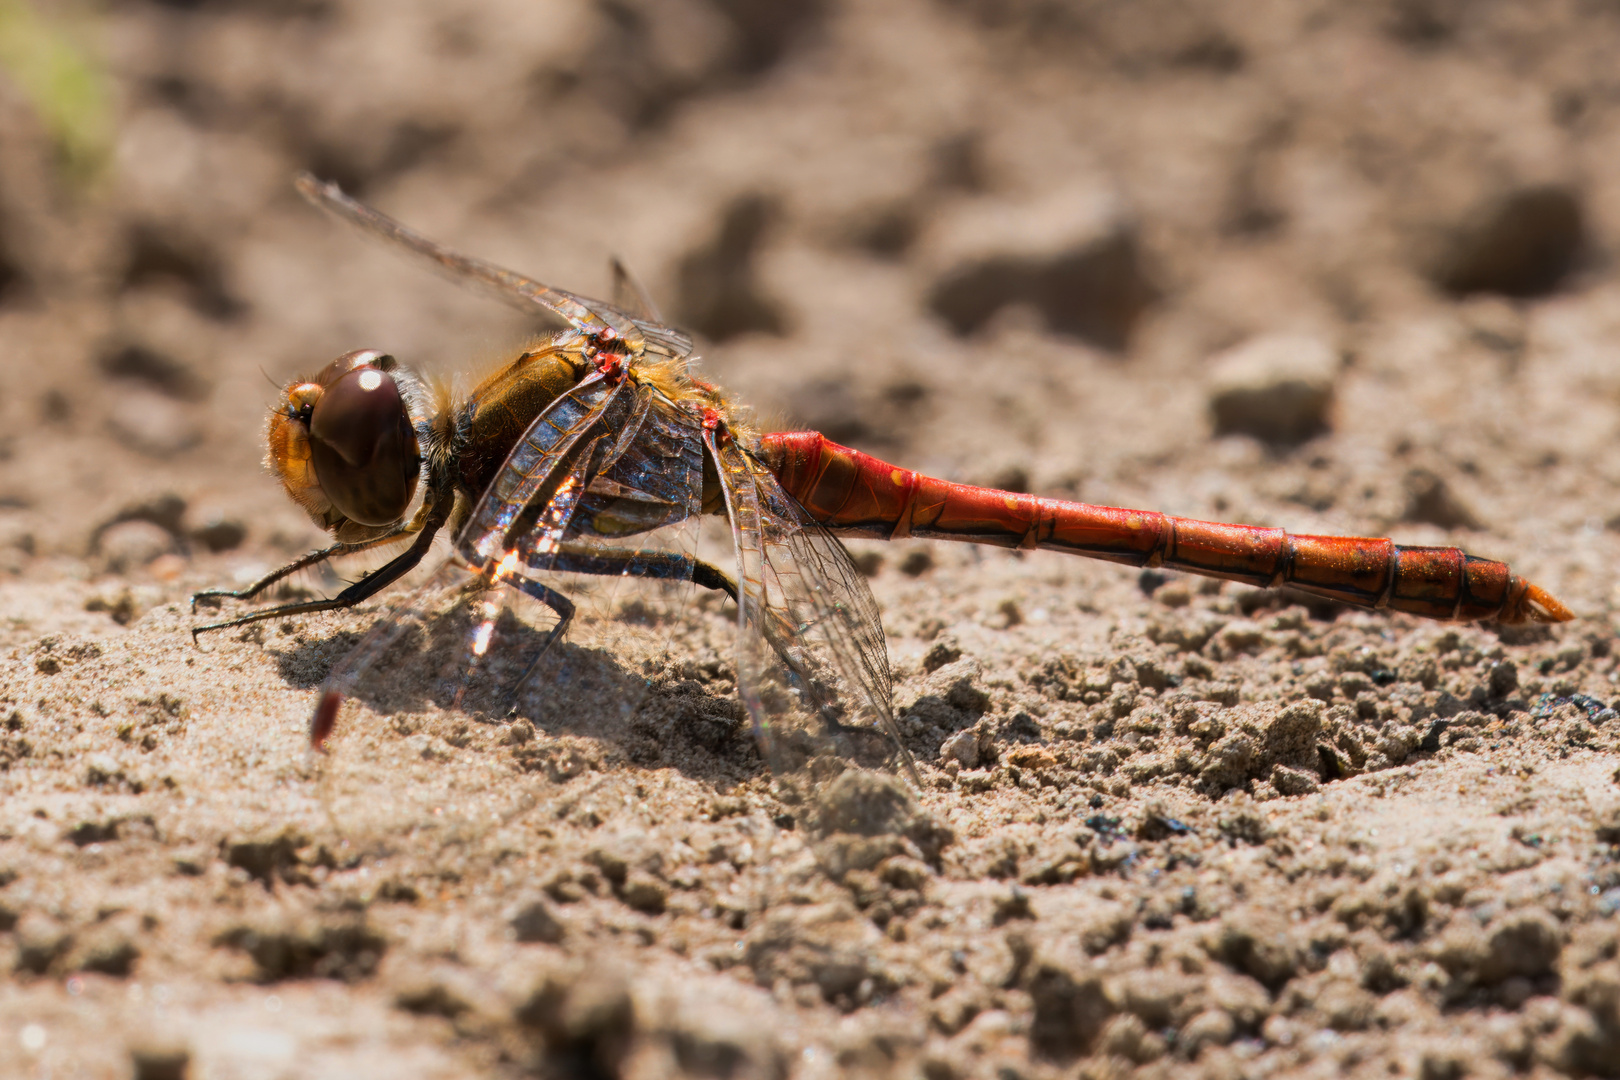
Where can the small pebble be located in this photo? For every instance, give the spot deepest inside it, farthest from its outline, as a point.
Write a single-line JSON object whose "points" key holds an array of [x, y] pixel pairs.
{"points": [[130, 545], [153, 424], [1277, 388]]}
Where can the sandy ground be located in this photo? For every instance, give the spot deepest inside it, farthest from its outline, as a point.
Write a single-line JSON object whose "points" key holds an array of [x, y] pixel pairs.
{"points": [[1165, 828]]}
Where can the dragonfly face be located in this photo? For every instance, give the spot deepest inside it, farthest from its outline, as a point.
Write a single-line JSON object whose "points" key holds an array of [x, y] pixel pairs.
{"points": [[343, 444]]}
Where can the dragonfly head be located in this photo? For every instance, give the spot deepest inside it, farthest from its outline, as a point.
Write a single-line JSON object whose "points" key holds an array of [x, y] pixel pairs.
{"points": [[343, 445]]}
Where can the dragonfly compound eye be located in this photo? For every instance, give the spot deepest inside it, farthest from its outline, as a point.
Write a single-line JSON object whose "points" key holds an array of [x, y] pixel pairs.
{"points": [[361, 442]]}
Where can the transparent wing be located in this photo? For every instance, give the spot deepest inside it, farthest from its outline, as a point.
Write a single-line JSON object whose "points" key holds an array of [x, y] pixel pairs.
{"points": [[833, 617], [639, 326], [812, 664], [619, 540], [664, 342], [659, 340], [629, 295], [592, 316], [527, 480]]}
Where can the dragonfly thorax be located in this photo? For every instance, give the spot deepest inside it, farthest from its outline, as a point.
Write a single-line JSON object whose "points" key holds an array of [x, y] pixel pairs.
{"points": [[343, 444]]}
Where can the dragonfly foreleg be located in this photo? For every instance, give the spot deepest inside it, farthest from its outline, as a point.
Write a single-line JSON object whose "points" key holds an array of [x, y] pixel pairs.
{"points": [[303, 562], [364, 589]]}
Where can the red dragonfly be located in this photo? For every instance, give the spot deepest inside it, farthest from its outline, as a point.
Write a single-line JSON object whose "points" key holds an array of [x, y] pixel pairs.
{"points": [[596, 452]]}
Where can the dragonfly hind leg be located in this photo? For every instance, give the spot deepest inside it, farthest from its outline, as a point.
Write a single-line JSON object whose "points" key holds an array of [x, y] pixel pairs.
{"points": [[581, 559], [712, 577], [558, 603], [660, 565]]}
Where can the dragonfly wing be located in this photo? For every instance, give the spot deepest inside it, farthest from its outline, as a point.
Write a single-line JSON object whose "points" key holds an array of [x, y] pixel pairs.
{"points": [[832, 609], [630, 509], [742, 506], [608, 510], [659, 339], [650, 480], [803, 600], [664, 342], [591, 316], [596, 409], [629, 295], [834, 622]]}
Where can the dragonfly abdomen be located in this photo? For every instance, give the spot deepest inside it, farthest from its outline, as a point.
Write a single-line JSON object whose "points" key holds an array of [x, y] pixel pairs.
{"points": [[857, 494]]}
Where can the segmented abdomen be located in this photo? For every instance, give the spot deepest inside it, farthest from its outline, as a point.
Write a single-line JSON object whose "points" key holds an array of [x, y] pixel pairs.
{"points": [[856, 494]]}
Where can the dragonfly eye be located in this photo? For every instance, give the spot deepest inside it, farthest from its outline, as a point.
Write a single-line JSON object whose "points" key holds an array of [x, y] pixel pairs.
{"points": [[362, 445]]}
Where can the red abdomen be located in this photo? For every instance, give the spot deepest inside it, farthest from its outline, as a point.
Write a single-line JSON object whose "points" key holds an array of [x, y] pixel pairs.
{"points": [[858, 495]]}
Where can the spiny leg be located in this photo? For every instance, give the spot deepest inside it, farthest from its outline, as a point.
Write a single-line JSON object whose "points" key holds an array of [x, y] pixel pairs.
{"points": [[361, 590], [365, 588], [303, 562], [564, 608], [578, 558]]}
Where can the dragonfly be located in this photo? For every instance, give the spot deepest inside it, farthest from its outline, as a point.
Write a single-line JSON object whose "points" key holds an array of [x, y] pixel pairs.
{"points": [[595, 452]]}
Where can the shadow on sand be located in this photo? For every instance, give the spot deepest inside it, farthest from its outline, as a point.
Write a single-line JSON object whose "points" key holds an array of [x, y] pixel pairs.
{"points": [[633, 704]]}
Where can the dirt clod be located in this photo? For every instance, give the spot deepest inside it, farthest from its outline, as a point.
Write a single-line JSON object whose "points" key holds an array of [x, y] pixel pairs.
{"points": [[1071, 1007], [532, 921], [267, 859], [586, 1020], [1276, 388], [344, 949], [160, 1062], [1520, 243]]}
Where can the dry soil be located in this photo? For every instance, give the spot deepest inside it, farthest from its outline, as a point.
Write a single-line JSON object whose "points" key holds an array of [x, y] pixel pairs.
{"points": [[1164, 827]]}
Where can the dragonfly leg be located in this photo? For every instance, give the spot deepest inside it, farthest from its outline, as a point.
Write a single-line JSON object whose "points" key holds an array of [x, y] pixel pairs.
{"points": [[609, 562], [564, 608], [579, 559], [303, 562], [363, 589], [712, 577]]}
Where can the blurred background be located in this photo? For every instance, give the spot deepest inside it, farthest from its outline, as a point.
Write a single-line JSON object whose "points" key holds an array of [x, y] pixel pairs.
{"points": [[1339, 267]]}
